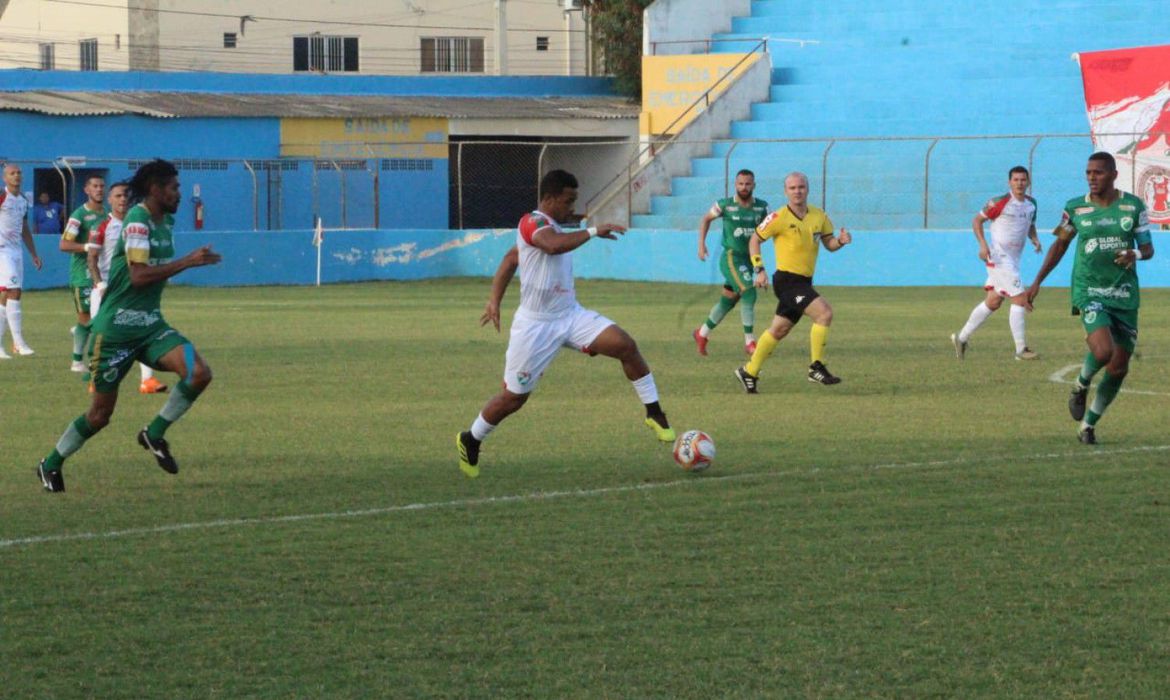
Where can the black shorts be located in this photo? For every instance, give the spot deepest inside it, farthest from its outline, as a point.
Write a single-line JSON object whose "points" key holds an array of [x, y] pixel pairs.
{"points": [[795, 293]]}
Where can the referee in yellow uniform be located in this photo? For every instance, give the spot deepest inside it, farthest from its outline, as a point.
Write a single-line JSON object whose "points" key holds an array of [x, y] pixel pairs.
{"points": [[796, 230]]}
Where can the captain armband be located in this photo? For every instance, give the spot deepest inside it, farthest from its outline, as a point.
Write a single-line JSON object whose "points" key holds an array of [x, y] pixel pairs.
{"points": [[758, 262]]}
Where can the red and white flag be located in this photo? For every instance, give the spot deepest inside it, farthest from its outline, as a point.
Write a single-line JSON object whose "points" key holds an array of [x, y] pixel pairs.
{"points": [[1127, 94]]}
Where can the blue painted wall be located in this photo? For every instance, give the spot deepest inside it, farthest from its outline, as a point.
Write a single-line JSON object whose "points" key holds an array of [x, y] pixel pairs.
{"points": [[876, 258]]}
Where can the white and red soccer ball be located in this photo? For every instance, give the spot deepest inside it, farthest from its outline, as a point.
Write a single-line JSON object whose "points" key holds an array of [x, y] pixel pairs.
{"points": [[694, 450]]}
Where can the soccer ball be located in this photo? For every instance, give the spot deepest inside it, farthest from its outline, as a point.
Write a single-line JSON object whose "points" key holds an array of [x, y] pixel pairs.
{"points": [[694, 450]]}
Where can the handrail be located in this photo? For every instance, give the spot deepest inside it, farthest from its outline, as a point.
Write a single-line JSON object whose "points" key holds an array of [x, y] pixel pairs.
{"points": [[704, 98], [708, 41]]}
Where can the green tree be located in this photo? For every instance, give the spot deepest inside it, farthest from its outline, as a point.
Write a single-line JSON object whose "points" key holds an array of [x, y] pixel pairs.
{"points": [[617, 32]]}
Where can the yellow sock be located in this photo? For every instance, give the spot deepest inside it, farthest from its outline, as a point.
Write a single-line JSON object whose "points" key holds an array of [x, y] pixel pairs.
{"points": [[816, 341], [764, 347]]}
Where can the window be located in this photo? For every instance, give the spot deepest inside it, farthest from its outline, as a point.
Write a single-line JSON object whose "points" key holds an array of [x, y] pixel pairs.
{"points": [[48, 58], [542, 43], [328, 54], [229, 40], [452, 54], [89, 59]]}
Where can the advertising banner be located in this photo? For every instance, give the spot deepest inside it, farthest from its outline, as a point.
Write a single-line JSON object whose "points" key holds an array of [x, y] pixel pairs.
{"points": [[1127, 94]]}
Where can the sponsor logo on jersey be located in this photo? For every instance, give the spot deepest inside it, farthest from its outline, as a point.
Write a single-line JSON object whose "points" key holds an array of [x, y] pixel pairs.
{"points": [[743, 232], [1106, 221], [1084, 210], [136, 319], [1122, 291], [1126, 223], [1106, 243], [1126, 207], [1090, 245]]}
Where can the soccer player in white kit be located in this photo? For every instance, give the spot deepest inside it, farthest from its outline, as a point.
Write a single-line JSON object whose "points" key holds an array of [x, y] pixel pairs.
{"points": [[549, 317], [1013, 219], [99, 253], [13, 228]]}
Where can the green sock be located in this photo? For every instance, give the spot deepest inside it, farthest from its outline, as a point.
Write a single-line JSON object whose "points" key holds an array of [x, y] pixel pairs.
{"points": [[719, 311], [747, 310], [1106, 391], [1090, 367], [177, 404], [71, 441], [80, 336]]}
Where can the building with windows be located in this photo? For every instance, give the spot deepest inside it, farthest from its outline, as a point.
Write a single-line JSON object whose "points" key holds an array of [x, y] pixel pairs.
{"points": [[392, 37]]}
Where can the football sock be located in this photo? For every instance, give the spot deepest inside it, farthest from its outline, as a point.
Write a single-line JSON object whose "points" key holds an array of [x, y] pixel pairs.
{"points": [[80, 335], [978, 315], [71, 441], [1090, 367], [717, 313], [14, 321], [177, 404], [147, 372], [749, 338], [1016, 320], [817, 337], [747, 312], [1107, 390], [3, 321], [764, 348], [480, 429], [646, 389]]}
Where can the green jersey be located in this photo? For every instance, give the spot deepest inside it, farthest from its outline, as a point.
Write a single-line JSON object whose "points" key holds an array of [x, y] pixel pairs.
{"points": [[739, 222], [81, 223], [128, 312], [1099, 233]]}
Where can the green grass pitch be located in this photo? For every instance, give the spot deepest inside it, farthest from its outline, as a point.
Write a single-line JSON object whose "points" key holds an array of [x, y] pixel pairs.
{"points": [[929, 527]]}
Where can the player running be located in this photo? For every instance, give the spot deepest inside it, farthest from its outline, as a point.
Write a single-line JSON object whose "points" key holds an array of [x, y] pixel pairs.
{"points": [[100, 248], [1113, 231], [130, 325], [1013, 219], [78, 229], [549, 317], [740, 216]]}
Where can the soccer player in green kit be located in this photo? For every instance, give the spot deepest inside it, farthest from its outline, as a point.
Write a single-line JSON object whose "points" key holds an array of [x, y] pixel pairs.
{"points": [[740, 215], [130, 327], [82, 222], [1112, 231]]}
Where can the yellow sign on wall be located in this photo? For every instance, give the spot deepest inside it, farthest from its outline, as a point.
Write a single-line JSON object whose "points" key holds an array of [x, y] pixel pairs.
{"points": [[671, 84], [365, 137]]}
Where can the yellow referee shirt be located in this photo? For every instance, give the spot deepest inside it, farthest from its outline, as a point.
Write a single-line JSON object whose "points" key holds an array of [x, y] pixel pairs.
{"points": [[796, 241]]}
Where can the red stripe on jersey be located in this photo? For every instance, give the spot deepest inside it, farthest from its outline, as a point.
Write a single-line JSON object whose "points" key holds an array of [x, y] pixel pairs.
{"points": [[99, 234], [995, 207], [530, 224]]}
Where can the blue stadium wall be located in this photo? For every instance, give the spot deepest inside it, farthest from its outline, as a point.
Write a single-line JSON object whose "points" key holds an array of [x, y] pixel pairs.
{"points": [[877, 258]]}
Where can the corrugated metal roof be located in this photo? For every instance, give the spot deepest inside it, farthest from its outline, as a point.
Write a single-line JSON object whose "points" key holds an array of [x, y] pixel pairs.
{"points": [[195, 104]]}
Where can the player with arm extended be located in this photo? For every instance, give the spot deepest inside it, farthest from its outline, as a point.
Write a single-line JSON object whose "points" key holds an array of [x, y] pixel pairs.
{"points": [[1111, 229], [13, 230], [549, 317], [740, 215], [797, 232], [130, 326], [78, 229], [100, 248], [1013, 219]]}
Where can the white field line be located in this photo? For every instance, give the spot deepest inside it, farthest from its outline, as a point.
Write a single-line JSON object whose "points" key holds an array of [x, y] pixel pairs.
{"points": [[1059, 377], [545, 496]]}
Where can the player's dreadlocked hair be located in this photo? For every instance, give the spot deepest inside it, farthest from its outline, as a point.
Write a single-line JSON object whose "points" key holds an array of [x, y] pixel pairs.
{"points": [[156, 172]]}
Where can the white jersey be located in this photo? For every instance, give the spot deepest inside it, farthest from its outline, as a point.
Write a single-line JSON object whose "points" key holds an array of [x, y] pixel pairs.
{"points": [[546, 281], [13, 211], [106, 235], [1011, 220]]}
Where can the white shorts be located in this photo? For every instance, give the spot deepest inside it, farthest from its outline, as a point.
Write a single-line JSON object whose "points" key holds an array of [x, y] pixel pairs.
{"points": [[1003, 277], [11, 268], [534, 343]]}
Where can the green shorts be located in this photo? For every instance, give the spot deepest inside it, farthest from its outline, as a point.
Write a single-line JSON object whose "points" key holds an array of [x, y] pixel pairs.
{"points": [[1122, 323], [111, 361], [81, 298], [737, 271]]}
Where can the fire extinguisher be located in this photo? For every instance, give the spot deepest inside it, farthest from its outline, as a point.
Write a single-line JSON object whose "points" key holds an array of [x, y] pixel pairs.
{"points": [[197, 201]]}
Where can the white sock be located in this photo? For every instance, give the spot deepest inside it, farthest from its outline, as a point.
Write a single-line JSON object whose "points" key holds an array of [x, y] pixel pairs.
{"points": [[1016, 320], [646, 389], [978, 315], [14, 322], [147, 372], [749, 338], [704, 331], [480, 429], [3, 323]]}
